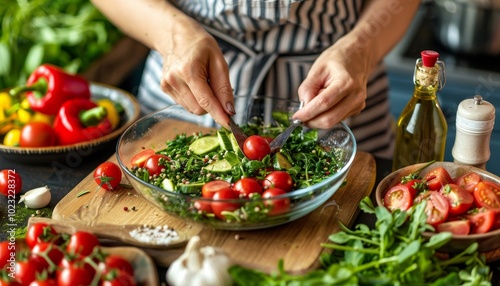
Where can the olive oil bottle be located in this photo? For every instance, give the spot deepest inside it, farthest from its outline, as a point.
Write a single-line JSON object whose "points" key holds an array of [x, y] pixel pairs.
{"points": [[421, 127]]}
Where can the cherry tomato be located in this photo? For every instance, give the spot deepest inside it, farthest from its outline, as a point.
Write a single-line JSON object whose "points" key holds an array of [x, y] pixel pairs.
{"points": [[154, 164], [39, 232], [496, 224], [79, 261], [27, 270], [10, 182], [415, 186], [482, 222], [140, 158], [108, 175], [7, 253], [48, 251], [487, 195], [219, 204], [436, 178], [278, 205], [74, 272], [437, 207], [37, 134], [247, 186], [398, 197], [278, 179], [7, 281], [114, 261], [268, 139], [209, 189], [456, 227], [468, 181], [82, 242], [44, 282], [119, 278], [459, 199], [256, 147], [203, 206]]}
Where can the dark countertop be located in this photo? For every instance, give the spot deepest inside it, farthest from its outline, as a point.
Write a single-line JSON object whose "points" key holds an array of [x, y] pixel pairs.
{"points": [[62, 176]]}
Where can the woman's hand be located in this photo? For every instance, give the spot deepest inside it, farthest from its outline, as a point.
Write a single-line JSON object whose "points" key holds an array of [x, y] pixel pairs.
{"points": [[335, 87], [195, 73]]}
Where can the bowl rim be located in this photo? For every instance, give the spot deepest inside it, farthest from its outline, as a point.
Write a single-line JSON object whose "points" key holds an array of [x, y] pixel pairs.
{"points": [[108, 137], [379, 194], [341, 172]]}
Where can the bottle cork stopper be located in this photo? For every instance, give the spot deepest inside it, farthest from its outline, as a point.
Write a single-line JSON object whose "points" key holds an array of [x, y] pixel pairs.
{"points": [[429, 58]]}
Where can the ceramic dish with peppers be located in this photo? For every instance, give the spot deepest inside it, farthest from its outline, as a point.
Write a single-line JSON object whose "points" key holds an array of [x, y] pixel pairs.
{"points": [[197, 172], [57, 114]]}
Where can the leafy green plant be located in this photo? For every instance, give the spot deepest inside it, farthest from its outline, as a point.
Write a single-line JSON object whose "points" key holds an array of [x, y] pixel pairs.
{"points": [[394, 252], [68, 33]]}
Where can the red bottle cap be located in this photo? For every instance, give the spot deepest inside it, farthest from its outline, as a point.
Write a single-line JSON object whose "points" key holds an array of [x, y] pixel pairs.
{"points": [[429, 58]]}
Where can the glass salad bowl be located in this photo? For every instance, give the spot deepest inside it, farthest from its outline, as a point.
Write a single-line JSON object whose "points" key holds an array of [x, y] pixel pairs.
{"points": [[193, 169]]}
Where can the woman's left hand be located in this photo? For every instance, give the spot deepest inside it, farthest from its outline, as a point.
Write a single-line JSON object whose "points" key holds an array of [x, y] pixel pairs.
{"points": [[335, 87]]}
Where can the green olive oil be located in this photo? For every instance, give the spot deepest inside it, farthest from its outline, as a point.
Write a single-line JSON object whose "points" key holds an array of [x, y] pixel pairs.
{"points": [[422, 128]]}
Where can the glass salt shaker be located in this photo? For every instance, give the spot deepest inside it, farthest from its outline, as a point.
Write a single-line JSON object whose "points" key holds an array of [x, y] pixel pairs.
{"points": [[474, 122]]}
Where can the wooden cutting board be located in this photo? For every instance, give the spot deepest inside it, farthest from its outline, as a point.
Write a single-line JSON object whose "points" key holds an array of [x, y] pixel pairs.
{"points": [[297, 242]]}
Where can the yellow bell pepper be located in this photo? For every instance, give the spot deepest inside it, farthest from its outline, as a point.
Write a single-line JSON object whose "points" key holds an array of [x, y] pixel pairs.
{"points": [[40, 117], [5, 101], [12, 137], [5, 104], [6, 121], [113, 114]]}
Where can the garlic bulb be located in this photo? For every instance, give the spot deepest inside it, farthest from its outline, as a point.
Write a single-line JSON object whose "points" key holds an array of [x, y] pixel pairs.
{"points": [[205, 266], [36, 198]]}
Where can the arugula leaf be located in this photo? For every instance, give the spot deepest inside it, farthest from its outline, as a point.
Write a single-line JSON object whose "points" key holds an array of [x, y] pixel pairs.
{"points": [[393, 253]]}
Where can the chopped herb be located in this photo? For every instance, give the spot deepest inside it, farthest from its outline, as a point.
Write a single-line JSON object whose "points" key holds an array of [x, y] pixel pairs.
{"points": [[82, 193]]}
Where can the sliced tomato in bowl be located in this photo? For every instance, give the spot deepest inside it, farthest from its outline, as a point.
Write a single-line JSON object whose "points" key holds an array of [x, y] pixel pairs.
{"points": [[456, 227], [468, 181], [140, 158], [415, 186], [460, 200], [482, 221], [398, 197], [437, 207], [437, 178], [487, 195], [210, 188]]}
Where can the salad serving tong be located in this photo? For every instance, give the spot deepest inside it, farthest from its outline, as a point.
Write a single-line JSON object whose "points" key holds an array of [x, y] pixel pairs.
{"points": [[277, 142]]}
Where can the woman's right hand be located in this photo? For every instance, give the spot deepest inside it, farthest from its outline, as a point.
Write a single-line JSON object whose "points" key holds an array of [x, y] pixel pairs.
{"points": [[195, 73]]}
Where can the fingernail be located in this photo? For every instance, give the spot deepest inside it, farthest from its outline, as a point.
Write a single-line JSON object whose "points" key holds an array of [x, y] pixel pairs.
{"points": [[230, 107]]}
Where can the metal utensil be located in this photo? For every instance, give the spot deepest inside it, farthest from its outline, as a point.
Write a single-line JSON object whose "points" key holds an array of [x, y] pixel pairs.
{"points": [[120, 233], [280, 140], [238, 133]]}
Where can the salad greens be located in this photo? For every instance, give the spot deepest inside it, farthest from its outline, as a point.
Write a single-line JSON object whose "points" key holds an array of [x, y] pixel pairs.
{"points": [[394, 252], [310, 163], [185, 169]]}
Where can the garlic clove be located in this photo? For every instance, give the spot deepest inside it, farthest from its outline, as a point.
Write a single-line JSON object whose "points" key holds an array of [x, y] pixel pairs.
{"points": [[36, 198]]}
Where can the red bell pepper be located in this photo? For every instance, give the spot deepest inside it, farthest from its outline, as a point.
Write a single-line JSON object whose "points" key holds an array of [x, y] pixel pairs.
{"points": [[81, 120], [48, 87]]}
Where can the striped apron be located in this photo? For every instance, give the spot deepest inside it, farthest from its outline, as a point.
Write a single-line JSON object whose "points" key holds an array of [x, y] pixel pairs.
{"points": [[269, 46]]}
